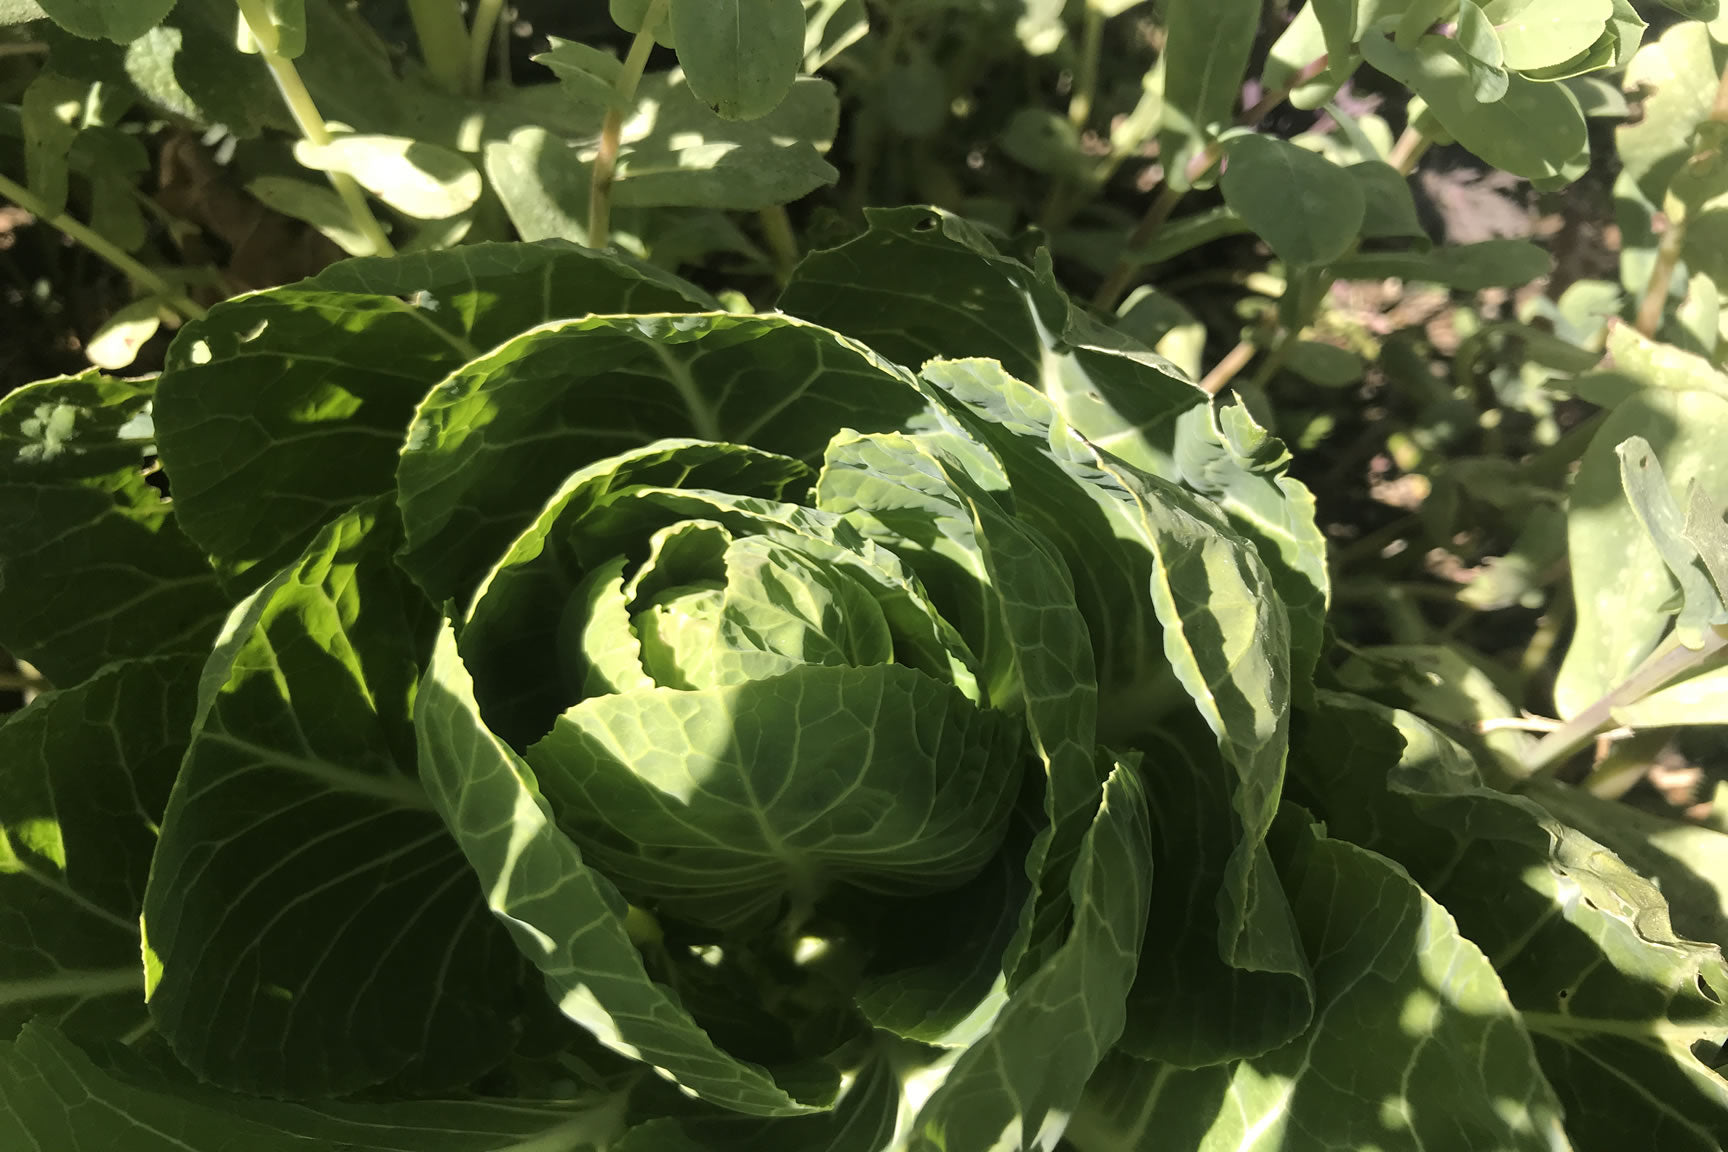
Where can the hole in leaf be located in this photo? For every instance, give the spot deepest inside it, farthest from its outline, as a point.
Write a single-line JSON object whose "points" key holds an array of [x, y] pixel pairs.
{"points": [[928, 224]]}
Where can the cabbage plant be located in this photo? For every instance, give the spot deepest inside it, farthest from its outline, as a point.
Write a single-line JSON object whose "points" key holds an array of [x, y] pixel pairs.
{"points": [[550, 711]]}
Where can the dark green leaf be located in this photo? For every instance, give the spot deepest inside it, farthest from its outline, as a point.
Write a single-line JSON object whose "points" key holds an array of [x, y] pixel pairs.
{"points": [[53, 1095], [1205, 57], [740, 56], [1617, 1006], [1306, 208], [493, 443], [309, 926], [1026, 1075], [1414, 1042], [566, 917], [84, 777], [118, 20], [95, 567], [282, 408]]}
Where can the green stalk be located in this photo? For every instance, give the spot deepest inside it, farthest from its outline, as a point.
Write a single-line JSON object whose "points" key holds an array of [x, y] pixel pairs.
{"points": [[123, 261], [1407, 153], [1670, 660], [1086, 78], [1655, 299], [311, 124], [612, 130], [1116, 284], [1668, 250], [480, 37], [782, 240], [443, 40]]}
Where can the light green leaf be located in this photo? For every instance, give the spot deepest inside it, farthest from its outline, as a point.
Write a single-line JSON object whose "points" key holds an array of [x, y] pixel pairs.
{"points": [[1483, 52], [1535, 130], [54, 1095], [740, 56], [1678, 74], [1658, 512], [831, 27], [284, 407], [1707, 533], [73, 498], [1414, 1043], [298, 845], [1618, 1007], [629, 15], [1619, 582], [675, 153], [494, 441], [565, 917], [121, 21], [1689, 861], [1211, 622], [1305, 40], [880, 778], [1307, 209], [1541, 33], [20, 11], [1225, 456], [84, 776], [426, 181], [115, 345], [587, 73], [1017, 1086], [1206, 53]]}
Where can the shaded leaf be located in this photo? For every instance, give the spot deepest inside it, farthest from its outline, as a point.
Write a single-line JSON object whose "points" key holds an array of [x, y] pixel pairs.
{"points": [[84, 777], [298, 850], [282, 408], [95, 567], [118, 20], [494, 441], [1414, 1044], [566, 918]]}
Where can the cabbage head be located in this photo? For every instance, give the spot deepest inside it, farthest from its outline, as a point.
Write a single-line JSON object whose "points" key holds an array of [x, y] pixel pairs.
{"points": [[551, 711]]}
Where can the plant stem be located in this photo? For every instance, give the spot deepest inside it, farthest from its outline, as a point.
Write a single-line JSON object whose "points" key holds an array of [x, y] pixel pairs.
{"points": [[123, 261], [443, 40], [1655, 299], [612, 130], [1670, 660], [311, 124], [487, 19], [1407, 153], [1116, 284], [1234, 361], [1086, 78], [782, 241]]}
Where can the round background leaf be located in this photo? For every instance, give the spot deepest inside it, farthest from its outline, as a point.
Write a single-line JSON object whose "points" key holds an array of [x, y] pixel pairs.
{"points": [[740, 56], [1307, 209], [121, 21]]}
